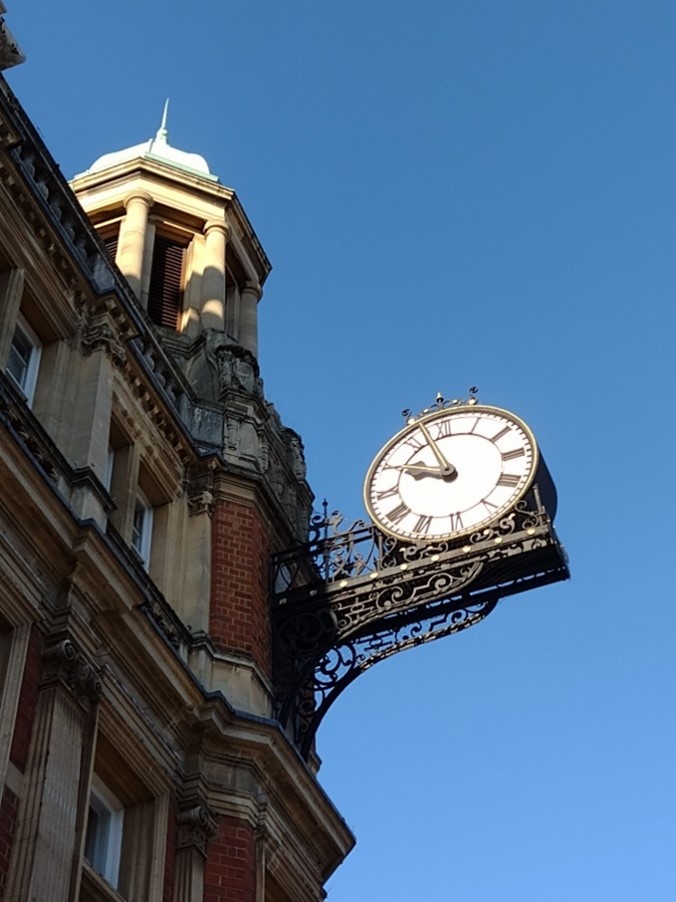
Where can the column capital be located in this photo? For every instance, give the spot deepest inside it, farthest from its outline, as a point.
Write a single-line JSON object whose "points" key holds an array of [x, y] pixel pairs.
{"points": [[143, 196], [221, 225], [66, 664], [196, 826], [252, 287]]}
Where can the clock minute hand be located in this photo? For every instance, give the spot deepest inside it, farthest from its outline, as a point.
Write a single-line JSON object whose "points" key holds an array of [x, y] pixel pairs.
{"points": [[447, 469], [422, 468]]}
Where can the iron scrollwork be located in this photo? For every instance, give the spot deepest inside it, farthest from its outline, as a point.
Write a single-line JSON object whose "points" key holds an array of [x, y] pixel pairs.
{"points": [[352, 596]]}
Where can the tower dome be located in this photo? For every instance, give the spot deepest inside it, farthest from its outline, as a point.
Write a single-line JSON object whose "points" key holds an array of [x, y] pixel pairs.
{"points": [[182, 241], [159, 149]]}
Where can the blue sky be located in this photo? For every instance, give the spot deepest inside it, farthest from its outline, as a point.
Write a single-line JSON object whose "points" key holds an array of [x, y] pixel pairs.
{"points": [[452, 194]]}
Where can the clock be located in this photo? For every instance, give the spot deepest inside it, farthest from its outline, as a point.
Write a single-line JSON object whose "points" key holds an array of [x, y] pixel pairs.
{"points": [[450, 472]]}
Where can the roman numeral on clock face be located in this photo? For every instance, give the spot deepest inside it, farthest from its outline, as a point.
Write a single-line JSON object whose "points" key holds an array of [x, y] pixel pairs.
{"points": [[501, 434], [388, 493], [509, 480], [398, 513], [423, 524], [415, 442], [444, 429], [456, 522], [512, 455]]}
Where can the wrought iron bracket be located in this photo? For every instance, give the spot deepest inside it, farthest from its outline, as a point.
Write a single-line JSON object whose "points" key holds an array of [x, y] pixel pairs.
{"points": [[351, 597]]}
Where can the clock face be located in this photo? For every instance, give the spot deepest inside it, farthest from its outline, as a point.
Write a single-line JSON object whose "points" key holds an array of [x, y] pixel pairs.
{"points": [[450, 473]]}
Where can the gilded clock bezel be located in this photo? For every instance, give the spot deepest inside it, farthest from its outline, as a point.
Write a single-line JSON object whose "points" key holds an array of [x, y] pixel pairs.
{"points": [[427, 418]]}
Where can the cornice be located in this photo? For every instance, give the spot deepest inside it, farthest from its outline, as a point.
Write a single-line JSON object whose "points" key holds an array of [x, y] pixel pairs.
{"points": [[257, 749]]}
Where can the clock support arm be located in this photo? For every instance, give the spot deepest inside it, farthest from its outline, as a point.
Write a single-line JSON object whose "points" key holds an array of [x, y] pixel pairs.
{"points": [[353, 597]]}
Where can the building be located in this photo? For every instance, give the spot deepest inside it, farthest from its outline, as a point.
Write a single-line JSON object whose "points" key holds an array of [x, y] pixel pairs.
{"points": [[174, 623], [146, 482]]}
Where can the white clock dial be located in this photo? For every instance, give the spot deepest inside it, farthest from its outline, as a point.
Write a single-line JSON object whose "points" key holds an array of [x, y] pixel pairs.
{"points": [[450, 473]]}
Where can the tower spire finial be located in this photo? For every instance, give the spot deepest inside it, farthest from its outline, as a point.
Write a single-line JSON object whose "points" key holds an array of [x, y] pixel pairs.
{"points": [[162, 133]]}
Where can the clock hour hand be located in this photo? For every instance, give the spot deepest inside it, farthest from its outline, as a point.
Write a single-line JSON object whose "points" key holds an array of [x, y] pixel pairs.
{"points": [[448, 471], [419, 470]]}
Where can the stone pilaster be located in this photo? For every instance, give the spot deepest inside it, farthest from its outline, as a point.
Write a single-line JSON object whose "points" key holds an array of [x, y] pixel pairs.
{"points": [[46, 849], [261, 841], [196, 826], [90, 424]]}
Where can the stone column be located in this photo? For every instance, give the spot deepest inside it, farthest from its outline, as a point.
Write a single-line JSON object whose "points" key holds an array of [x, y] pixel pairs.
{"points": [[248, 317], [212, 311], [45, 855], [131, 244]]}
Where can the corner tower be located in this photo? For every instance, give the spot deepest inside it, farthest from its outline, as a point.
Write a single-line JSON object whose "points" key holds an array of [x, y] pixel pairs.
{"points": [[192, 259], [181, 239]]}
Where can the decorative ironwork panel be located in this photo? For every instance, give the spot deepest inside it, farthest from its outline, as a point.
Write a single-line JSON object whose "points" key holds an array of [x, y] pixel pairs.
{"points": [[352, 596]]}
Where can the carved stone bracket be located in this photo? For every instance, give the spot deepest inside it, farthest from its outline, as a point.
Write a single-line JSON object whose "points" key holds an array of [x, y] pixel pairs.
{"points": [[196, 826], [63, 663], [199, 486], [99, 334]]}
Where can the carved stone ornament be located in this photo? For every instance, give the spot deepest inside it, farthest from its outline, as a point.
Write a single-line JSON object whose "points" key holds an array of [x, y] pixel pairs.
{"points": [[296, 455], [232, 434], [199, 487], [65, 664], [98, 334], [196, 826], [10, 52], [235, 368]]}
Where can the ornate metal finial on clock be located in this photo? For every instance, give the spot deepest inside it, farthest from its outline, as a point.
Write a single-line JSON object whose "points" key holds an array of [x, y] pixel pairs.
{"points": [[440, 403], [462, 508]]}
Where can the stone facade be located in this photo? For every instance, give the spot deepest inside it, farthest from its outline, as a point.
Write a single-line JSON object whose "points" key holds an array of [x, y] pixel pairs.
{"points": [[146, 481]]}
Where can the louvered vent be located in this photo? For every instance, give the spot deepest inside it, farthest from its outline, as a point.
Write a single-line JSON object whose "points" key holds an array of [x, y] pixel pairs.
{"points": [[165, 298], [111, 241]]}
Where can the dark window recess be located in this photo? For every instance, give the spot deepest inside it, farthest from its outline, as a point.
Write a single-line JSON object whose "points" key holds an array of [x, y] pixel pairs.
{"points": [[165, 298], [111, 242]]}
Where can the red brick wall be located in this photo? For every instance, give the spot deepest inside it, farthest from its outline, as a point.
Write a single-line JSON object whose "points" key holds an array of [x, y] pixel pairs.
{"points": [[8, 811], [28, 698], [240, 551], [230, 868]]}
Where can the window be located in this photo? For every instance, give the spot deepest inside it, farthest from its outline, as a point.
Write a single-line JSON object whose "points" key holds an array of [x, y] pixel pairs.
{"points": [[103, 841], [165, 295], [126, 831], [142, 529], [24, 358]]}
